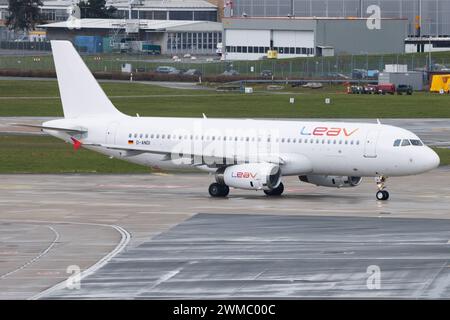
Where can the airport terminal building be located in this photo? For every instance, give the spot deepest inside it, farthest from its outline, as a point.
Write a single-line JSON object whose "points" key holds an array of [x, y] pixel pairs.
{"points": [[250, 38]]}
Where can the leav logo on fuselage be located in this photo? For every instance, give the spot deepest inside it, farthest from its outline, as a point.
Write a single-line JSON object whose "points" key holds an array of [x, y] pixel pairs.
{"points": [[326, 131], [244, 175]]}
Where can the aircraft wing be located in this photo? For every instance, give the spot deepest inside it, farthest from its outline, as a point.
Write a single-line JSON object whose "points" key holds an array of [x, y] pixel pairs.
{"points": [[212, 160]]}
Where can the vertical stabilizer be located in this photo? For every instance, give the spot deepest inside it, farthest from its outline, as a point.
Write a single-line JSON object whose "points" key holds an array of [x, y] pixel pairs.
{"points": [[81, 95]]}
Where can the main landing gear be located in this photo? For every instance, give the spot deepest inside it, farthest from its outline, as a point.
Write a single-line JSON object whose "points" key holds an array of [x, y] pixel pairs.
{"points": [[382, 194], [275, 192], [218, 190]]}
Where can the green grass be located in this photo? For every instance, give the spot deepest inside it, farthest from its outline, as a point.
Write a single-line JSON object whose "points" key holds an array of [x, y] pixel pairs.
{"points": [[149, 100], [444, 154], [40, 154]]}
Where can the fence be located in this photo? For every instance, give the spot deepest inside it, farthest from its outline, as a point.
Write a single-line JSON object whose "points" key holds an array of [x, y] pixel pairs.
{"points": [[35, 56]]}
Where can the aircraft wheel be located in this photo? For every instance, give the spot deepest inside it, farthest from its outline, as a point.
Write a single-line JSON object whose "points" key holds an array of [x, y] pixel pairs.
{"points": [[218, 190], [382, 195], [275, 192], [225, 190]]}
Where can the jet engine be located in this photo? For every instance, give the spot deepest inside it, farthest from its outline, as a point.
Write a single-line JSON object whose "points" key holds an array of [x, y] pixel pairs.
{"points": [[251, 176], [332, 181]]}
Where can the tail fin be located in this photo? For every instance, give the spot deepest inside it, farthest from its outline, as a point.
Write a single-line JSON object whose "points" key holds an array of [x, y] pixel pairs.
{"points": [[81, 95]]}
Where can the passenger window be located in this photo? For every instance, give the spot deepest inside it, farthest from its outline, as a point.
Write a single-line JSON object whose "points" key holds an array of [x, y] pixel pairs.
{"points": [[397, 142], [135, 135], [405, 143], [416, 142], [130, 135]]}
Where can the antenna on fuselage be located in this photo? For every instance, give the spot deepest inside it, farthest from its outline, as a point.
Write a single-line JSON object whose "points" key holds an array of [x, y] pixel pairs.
{"points": [[378, 121], [204, 116]]}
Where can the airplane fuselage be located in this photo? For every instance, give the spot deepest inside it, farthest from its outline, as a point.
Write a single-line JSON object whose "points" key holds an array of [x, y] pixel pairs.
{"points": [[332, 148]]}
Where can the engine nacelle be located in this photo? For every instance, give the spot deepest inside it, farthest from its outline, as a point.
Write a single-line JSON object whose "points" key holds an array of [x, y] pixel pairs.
{"points": [[251, 176], [332, 181]]}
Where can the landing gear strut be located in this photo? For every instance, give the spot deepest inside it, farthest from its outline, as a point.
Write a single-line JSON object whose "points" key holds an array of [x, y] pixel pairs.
{"points": [[218, 190], [275, 192], [381, 194]]}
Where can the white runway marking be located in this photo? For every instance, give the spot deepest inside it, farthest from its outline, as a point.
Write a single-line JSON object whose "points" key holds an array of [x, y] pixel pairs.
{"points": [[125, 238], [43, 253]]}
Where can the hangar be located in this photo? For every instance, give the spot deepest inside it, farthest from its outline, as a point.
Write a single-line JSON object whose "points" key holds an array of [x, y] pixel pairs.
{"points": [[250, 38], [173, 36]]}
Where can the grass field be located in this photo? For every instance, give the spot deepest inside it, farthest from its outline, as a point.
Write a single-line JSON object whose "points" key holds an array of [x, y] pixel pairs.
{"points": [[40, 154], [41, 98]]}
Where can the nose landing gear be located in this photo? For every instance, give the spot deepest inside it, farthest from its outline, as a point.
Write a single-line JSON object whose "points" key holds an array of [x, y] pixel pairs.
{"points": [[381, 194]]}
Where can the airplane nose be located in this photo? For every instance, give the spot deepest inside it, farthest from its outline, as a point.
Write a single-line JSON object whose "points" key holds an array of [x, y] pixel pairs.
{"points": [[433, 160]]}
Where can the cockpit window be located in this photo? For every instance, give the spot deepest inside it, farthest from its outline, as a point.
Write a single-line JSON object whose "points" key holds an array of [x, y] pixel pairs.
{"points": [[405, 142], [397, 142], [416, 142]]}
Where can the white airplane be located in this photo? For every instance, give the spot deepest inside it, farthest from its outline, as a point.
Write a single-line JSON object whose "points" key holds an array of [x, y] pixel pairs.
{"points": [[242, 153]]}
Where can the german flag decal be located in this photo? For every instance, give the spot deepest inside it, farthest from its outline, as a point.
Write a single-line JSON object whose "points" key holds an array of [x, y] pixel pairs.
{"points": [[130, 141]]}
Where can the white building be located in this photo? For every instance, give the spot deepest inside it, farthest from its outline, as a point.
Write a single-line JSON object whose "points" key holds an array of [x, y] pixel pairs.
{"points": [[250, 38]]}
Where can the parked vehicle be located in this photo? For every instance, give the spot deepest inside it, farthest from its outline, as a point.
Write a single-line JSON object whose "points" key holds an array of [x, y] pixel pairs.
{"points": [[193, 72], [167, 69], [359, 74], [404, 88], [266, 74], [313, 85], [355, 89], [230, 73], [336, 76], [370, 89], [386, 88]]}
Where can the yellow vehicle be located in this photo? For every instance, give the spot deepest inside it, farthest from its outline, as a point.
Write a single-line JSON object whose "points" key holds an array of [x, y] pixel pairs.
{"points": [[272, 54], [440, 83]]}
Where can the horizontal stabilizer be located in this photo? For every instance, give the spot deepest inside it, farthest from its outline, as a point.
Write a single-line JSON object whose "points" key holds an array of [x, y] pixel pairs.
{"points": [[68, 130]]}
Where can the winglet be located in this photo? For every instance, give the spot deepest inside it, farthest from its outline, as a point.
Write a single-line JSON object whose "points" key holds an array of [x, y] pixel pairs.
{"points": [[76, 143]]}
